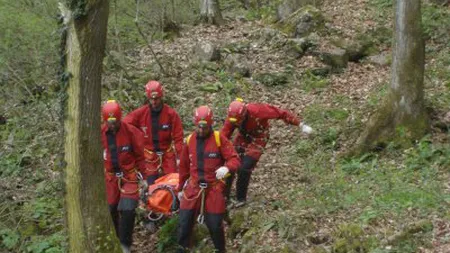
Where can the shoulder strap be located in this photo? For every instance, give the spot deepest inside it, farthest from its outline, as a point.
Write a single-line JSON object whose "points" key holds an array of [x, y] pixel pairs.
{"points": [[112, 146], [217, 137], [188, 138]]}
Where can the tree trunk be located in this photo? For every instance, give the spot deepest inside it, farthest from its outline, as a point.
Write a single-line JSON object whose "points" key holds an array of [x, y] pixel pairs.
{"points": [[246, 4], [210, 12], [89, 223], [402, 118]]}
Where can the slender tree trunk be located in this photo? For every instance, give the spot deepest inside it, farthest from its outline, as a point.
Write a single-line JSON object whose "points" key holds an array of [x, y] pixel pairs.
{"points": [[89, 223], [210, 12], [402, 117]]}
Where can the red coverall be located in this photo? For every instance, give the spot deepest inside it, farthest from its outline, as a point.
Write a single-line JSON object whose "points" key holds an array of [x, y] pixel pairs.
{"points": [[162, 131], [251, 139], [123, 150], [200, 158]]}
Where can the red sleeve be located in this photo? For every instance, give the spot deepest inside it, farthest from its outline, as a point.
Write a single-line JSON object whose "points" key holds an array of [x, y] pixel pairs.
{"points": [[232, 160], [132, 118], [184, 166], [177, 133], [227, 129], [137, 139], [266, 111]]}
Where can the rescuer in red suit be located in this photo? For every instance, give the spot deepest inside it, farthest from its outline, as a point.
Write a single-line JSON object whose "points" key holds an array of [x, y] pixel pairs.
{"points": [[163, 136], [163, 133], [206, 159], [123, 161], [252, 122]]}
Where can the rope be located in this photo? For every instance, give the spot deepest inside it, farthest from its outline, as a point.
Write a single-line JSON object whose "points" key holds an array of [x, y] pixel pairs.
{"points": [[201, 216], [195, 197], [121, 177], [158, 159]]}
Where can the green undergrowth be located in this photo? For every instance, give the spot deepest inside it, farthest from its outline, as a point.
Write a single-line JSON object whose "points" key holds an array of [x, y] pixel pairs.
{"points": [[32, 193], [378, 192], [375, 193], [370, 203]]}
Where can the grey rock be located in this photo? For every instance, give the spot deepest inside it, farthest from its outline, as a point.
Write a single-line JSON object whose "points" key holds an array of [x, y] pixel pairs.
{"points": [[268, 33], [237, 64], [297, 47], [358, 48], [323, 72], [383, 59], [272, 79], [303, 21], [304, 26], [206, 51], [287, 7], [335, 57], [312, 40]]}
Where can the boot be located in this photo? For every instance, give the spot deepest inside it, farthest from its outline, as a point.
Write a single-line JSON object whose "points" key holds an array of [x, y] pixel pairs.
{"points": [[126, 227]]}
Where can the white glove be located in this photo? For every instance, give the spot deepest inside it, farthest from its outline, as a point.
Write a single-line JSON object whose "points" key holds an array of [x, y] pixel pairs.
{"points": [[180, 195], [178, 162], [305, 128], [222, 172]]}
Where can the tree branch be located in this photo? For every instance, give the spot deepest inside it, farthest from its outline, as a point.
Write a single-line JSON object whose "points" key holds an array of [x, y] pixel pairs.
{"points": [[136, 22]]}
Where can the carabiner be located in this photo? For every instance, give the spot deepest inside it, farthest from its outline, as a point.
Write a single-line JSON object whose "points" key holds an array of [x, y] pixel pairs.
{"points": [[201, 219]]}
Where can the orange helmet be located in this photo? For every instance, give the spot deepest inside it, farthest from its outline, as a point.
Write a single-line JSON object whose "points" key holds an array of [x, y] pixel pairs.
{"points": [[111, 111], [154, 89], [203, 115], [236, 110]]}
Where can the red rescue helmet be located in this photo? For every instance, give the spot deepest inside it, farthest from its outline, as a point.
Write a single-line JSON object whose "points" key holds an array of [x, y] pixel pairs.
{"points": [[203, 115], [236, 110], [111, 111], [154, 89]]}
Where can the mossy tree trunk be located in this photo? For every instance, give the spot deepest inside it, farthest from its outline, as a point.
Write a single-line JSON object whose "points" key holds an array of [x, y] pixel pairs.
{"points": [[402, 117], [89, 224], [210, 12]]}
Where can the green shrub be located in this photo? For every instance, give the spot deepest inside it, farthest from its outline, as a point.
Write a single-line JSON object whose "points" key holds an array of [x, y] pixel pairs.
{"points": [[167, 236], [352, 238]]}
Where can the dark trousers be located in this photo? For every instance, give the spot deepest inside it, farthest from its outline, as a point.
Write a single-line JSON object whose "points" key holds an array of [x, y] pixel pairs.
{"points": [[244, 174], [123, 221], [242, 182], [186, 225]]}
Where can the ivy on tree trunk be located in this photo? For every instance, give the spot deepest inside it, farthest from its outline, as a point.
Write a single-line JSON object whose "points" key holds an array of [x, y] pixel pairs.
{"points": [[88, 220]]}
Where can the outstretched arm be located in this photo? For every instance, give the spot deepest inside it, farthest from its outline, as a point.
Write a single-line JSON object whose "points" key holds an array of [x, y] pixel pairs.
{"points": [[267, 111]]}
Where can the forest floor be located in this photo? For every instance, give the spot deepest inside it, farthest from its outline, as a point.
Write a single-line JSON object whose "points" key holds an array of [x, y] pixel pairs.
{"points": [[304, 197]]}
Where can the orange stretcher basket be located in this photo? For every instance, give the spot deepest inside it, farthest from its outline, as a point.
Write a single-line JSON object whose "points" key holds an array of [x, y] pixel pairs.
{"points": [[162, 197]]}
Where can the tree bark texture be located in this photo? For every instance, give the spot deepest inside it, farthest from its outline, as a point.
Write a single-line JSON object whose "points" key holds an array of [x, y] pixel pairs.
{"points": [[210, 12], [402, 116], [89, 223]]}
